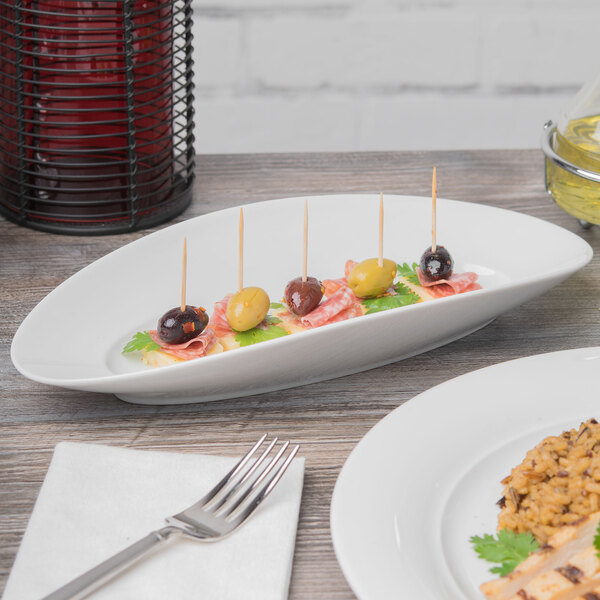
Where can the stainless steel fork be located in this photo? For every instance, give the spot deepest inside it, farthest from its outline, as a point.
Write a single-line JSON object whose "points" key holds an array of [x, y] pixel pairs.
{"points": [[217, 514]]}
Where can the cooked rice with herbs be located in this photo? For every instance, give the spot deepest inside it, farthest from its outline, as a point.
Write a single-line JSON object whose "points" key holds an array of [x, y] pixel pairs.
{"points": [[556, 484]]}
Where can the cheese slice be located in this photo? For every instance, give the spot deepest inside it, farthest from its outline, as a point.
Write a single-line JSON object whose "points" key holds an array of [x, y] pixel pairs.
{"points": [[421, 291]]}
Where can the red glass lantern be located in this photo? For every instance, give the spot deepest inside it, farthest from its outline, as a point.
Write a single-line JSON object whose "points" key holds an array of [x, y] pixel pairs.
{"points": [[95, 113]]}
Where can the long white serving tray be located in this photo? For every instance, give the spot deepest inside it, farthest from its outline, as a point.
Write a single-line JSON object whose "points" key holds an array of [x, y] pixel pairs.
{"points": [[73, 337]]}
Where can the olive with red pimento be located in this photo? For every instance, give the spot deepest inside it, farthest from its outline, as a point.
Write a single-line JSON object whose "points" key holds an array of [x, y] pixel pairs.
{"points": [[178, 326]]}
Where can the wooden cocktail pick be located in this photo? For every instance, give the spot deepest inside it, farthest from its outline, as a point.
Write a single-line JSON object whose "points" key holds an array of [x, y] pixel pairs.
{"points": [[433, 210], [305, 242], [380, 259], [183, 274], [241, 252]]}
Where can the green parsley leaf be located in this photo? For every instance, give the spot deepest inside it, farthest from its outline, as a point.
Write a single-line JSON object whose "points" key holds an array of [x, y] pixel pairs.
{"points": [[409, 272], [509, 549], [276, 305], [404, 296], [597, 541], [256, 335], [141, 341]]}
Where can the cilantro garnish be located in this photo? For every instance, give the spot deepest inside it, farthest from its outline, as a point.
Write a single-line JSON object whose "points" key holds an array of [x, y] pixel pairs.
{"points": [[403, 297], [409, 273], [256, 335], [597, 541], [509, 549], [276, 305], [141, 341]]}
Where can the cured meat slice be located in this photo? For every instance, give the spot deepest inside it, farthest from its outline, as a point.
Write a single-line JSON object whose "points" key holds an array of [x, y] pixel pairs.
{"points": [[331, 286], [446, 290], [457, 283], [342, 299], [350, 264], [356, 310], [194, 348], [218, 320]]}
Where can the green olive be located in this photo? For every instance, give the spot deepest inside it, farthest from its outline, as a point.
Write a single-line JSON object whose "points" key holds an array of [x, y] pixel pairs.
{"points": [[369, 280], [247, 308]]}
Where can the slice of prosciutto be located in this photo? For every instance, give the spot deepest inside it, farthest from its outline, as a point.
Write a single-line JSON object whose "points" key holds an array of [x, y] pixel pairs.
{"points": [[457, 283], [333, 307], [194, 348]]}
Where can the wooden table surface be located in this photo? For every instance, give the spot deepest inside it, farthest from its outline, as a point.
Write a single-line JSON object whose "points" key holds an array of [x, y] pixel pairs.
{"points": [[328, 418]]}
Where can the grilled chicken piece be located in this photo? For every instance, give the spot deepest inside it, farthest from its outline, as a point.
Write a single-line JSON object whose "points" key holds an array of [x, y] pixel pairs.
{"points": [[547, 573], [593, 595], [568, 582]]}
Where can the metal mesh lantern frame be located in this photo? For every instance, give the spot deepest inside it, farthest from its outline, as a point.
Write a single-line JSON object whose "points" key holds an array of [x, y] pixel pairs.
{"points": [[96, 115]]}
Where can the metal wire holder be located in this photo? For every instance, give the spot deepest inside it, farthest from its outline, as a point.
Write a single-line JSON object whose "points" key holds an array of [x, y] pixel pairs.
{"points": [[96, 113]]}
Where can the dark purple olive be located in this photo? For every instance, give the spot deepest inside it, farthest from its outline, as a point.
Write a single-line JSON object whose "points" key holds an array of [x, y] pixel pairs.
{"points": [[436, 265], [302, 297], [177, 327]]}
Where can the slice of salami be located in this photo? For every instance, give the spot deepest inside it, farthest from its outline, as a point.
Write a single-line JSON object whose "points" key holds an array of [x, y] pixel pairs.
{"points": [[350, 264], [457, 283], [218, 320], [194, 348], [341, 300], [356, 310], [331, 286]]}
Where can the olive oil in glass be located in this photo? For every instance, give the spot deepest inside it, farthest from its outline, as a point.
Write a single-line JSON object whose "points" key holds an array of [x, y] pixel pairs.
{"points": [[578, 142]]}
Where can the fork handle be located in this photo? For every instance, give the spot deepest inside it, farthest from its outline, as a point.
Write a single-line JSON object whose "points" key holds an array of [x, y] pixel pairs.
{"points": [[95, 578]]}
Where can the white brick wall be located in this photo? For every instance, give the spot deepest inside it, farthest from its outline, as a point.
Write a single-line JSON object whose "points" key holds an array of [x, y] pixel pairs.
{"points": [[299, 75]]}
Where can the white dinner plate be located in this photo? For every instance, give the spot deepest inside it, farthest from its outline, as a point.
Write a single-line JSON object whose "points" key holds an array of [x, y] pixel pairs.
{"points": [[427, 477], [74, 337]]}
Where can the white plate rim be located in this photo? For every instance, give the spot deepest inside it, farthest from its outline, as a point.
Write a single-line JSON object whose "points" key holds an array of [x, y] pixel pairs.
{"points": [[358, 580]]}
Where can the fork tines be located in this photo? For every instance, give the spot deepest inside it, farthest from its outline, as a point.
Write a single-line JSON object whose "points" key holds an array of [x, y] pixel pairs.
{"points": [[238, 494]]}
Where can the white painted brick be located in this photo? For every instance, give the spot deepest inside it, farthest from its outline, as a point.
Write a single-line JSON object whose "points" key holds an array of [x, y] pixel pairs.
{"points": [[217, 52], [443, 122], [541, 50], [281, 5], [438, 48], [540, 7], [294, 75], [411, 50], [274, 125], [294, 52]]}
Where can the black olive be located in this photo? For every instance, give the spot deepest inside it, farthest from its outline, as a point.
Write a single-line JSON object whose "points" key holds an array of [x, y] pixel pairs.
{"points": [[177, 327], [303, 297], [436, 265]]}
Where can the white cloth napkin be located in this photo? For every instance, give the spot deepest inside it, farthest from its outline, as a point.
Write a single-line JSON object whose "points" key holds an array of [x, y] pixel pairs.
{"points": [[96, 500]]}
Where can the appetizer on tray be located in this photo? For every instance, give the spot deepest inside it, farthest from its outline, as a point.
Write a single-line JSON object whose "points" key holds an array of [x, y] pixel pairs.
{"points": [[181, 333]]}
